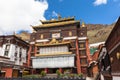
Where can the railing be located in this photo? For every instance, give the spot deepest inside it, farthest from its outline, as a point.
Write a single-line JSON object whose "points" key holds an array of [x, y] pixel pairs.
{"points": [[42, 79]]}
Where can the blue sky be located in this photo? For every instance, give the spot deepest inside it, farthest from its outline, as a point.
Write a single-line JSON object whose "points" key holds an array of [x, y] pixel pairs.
{"points": [[20, 14], [90, 11]]}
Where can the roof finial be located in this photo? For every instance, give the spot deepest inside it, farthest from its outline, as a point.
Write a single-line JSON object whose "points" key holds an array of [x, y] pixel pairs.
{"points": [[59, 16], [83, 24]]}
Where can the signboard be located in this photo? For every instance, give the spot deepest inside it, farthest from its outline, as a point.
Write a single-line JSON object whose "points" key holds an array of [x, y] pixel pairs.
{"points": [[55, 35]]}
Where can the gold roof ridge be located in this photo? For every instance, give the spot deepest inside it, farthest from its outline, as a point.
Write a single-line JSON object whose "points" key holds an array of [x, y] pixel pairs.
{"points": [[52, 44], [56, 20], [56, 24]]}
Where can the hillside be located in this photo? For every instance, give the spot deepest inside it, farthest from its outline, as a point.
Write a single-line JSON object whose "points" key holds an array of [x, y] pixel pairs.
{"points": [[96, 33], [24, 35]]}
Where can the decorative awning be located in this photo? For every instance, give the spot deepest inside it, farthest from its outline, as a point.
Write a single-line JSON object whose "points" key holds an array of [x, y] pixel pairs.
{"points": [[54, 54], [52, 44]]}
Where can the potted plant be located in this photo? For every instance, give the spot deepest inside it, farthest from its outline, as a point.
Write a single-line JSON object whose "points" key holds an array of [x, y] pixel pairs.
{"points": [[58, 73], [43, 73], [80, 75]]}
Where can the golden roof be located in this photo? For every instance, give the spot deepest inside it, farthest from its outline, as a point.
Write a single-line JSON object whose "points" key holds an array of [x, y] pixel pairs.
{"points": [[56, 24], [57, 20], [53, 54]]}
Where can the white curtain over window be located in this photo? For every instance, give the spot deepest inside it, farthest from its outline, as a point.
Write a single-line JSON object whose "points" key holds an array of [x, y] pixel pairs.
{"points": [[53, 62], [55, 49]]}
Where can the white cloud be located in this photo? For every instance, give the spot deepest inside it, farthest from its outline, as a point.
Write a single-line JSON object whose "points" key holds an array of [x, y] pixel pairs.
{"points": [[54, 14], [16, 15], [99, 2]]}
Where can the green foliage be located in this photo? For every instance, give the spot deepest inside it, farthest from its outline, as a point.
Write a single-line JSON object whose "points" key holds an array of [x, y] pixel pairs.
{"points": [[71, 75], [80, 75], [58, 73], [43, 73], [31, 76]]}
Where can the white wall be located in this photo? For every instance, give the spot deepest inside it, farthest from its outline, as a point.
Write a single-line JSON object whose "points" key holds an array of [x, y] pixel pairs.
{"points": [[1, 51], [116, 77], [11, 53], [47, 50]]}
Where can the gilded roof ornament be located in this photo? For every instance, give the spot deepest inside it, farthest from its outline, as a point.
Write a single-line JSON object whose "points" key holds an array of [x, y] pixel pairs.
{"points": [[59, 16], [53, 41], [83, 24]]}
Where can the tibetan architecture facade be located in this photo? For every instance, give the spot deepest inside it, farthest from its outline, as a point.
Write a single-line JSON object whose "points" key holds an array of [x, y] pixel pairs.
{"points": [[93, 65], [13, 56], [113, 48], [59, 44], [104, 64]]}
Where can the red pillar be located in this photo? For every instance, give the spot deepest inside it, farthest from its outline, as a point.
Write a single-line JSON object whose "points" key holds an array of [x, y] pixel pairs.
{"points": [[60, 69], [8, 73], [78, 58], [32, 71], [88, 51], [29, 55], [46, 70]]}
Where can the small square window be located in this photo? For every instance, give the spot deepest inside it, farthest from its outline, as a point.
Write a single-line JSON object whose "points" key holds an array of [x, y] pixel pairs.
{"points": [[82, 53], [70, 33], [81, 45], [7, 47], [6, 53], [41, 36], [83, 61], [15, 54]]}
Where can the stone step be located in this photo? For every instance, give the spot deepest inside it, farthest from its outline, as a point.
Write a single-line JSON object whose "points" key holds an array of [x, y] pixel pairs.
{"points": [[51, 75]]}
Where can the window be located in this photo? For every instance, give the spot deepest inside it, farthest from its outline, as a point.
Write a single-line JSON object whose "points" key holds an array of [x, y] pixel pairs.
{"points": [[7, 50], [82, 45], [6, 53], [15, 59], [15, 54], [8, 41], [73, 44], [83, 61], [20, 49], [16, 48], [82, 53], [41, 36], [20, 54], [70, 33], [7, 47]]}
